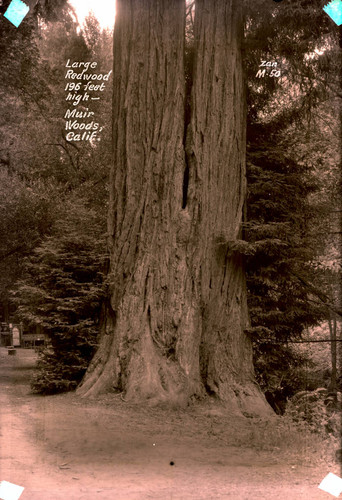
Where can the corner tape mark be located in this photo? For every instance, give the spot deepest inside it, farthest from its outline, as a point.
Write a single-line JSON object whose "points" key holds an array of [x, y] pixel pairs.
{"points": [[334, 10], [331, 484], [16, 12], [10, 491]]}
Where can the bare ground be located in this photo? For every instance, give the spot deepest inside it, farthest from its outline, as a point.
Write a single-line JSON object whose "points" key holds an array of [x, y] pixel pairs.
{"points": [[64, 447]]}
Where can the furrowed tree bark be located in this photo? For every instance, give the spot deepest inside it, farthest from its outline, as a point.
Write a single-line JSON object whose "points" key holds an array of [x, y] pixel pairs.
{"points": [[149, 348], [216, 145], [177, 309]]}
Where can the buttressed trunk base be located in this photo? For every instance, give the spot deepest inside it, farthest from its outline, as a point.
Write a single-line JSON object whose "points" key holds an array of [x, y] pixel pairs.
{"points": [[176, 314]]}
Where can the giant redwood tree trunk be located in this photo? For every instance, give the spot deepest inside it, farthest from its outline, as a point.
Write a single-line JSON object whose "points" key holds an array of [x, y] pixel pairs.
{"points": [[176, 314]]}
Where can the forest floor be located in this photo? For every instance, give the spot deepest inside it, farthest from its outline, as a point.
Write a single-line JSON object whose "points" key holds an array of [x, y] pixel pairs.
{"points": [[63, 447]]}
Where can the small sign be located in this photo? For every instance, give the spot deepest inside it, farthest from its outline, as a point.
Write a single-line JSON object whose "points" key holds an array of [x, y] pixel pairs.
{"points": [[16, 12], [10, 491], [331, 484], [16, 336]]}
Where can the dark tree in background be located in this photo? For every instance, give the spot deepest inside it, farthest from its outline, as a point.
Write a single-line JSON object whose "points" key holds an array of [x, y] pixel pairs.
{"points": [[60, 291]]}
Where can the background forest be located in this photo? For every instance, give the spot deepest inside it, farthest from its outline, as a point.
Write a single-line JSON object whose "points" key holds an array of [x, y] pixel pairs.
{"points": [[54, 197]]}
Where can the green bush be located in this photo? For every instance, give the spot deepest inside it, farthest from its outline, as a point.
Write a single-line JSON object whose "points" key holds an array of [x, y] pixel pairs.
{"points": [[54, 374], [62, 292], [316, 408]]}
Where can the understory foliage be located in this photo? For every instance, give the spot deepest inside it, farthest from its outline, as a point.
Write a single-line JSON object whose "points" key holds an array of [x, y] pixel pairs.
{"points": [[61, 291], [25, 217], [317, 409]]}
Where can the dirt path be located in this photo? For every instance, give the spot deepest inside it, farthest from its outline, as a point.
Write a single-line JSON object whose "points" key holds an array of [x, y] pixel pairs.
{"points": [[61, 447]]}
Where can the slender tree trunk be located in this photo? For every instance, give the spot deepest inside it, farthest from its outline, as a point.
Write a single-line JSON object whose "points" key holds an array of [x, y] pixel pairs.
{"points": [[333, 354], [177, 310]]}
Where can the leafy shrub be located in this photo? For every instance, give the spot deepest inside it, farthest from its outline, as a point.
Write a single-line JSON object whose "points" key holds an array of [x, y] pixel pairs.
{"points": [[62, 292], [317, 410], [281, 372], [54, 375]]}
